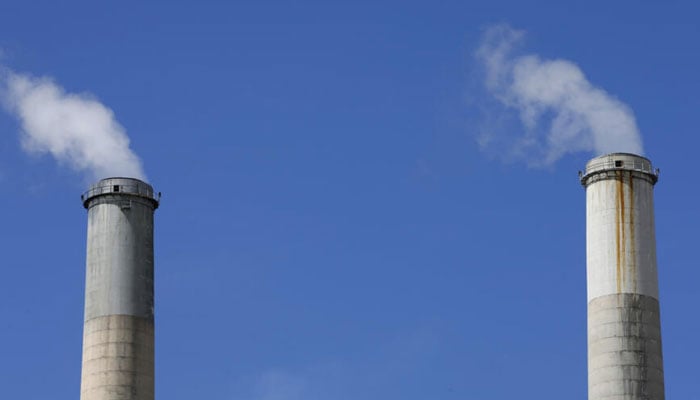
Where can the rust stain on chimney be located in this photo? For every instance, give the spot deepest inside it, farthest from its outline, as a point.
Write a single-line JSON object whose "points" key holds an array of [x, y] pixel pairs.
{"points": [[633, 250], [619, 233]]}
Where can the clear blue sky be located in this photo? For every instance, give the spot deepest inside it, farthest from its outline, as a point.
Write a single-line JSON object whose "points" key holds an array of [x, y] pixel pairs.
{"points": [[329, 228]]}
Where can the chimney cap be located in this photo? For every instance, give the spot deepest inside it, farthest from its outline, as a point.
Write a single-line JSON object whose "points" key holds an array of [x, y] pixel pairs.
{"points": [[616, 162], [120, 186]]}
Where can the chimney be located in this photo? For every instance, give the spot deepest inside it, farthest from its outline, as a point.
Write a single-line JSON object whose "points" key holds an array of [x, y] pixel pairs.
{"points": [[624, 332], [118, 332]]}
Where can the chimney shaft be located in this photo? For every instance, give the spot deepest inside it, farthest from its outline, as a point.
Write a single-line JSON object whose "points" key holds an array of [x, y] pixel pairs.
{"points": [[624, 332], [118, 332]]}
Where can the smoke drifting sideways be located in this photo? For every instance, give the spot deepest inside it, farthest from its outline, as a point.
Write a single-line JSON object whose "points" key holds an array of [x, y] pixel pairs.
{"points": [[560, 110], [76, 129]]}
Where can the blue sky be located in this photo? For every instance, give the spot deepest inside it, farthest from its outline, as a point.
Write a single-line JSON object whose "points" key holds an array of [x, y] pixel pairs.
{"points": [[330, 228]]}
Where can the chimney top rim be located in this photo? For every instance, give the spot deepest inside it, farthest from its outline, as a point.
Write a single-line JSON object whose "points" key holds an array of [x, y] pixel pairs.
{"points": [[120, 186]]}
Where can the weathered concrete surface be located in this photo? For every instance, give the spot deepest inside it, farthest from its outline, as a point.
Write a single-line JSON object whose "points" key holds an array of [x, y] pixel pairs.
{"points": [[119, 276], [624, 334], [620, 238], [624, 348], [118, 336], [118, 358]]}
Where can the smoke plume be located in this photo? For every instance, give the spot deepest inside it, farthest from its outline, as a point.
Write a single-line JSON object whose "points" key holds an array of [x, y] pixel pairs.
{"points": [[76, 129], [560, 110]]}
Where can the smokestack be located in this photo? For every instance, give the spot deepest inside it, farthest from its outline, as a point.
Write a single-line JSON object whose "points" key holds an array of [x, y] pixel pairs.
{"points": [[118, 332], [624, 332]]}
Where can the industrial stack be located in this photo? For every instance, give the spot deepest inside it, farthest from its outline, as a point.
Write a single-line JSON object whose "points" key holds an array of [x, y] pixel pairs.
{"points": [[624, 332], [118, 332]]}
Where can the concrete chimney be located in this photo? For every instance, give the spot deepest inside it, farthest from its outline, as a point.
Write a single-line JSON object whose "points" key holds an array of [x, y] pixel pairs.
{"points": [[118, 333], [624, 332]]}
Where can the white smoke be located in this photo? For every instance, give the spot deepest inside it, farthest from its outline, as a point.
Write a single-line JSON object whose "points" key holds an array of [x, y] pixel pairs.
{"points": [[76, 129], [562, 112]]}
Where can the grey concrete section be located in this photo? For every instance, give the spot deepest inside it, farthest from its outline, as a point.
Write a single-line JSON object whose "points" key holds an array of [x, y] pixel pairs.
{"points": [[119, 275], [624, 348], [118, 359], [118, 352], [624, 333]]}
